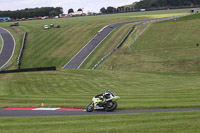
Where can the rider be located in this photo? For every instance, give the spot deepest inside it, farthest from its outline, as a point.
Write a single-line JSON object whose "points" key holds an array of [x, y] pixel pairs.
{"points": [[107, 95]]}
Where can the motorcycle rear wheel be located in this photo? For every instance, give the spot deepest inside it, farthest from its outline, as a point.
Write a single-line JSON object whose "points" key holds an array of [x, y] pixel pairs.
{"points": [[111, 106], [90, 108]]}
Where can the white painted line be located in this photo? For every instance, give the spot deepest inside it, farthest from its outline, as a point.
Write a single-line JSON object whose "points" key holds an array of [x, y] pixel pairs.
{"points": [[13, 48], [45, 108], [94, 49], [2, 43], [78, 52]]}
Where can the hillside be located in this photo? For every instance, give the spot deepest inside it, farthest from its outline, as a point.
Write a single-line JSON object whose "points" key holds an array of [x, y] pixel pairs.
{"points": [[166, 46], [54, 47]]}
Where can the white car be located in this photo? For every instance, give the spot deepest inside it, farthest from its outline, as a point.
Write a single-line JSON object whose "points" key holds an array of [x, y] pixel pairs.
{"points": [[46, 26]]}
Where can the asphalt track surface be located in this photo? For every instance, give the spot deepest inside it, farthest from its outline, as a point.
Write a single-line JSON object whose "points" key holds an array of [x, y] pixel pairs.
{"points": [[33, 113], [7, 48], [82, 55]]}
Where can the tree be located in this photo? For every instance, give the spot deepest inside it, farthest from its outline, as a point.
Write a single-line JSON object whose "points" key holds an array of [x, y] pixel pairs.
{"points": [[164, 3], [32, 12], [80, 10], [53, 13], [103, 10], [110, 9], [70, 10], [148, 4]]}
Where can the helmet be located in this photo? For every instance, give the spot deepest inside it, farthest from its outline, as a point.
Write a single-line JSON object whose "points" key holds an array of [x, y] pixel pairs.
{"points": [[108, 91]]}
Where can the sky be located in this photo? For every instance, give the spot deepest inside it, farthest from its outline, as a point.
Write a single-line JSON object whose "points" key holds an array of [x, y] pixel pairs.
{"points": [[87, 5]]}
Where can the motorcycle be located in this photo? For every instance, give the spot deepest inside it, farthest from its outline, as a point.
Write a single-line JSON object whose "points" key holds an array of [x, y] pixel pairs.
{"points": [[97, 104]]}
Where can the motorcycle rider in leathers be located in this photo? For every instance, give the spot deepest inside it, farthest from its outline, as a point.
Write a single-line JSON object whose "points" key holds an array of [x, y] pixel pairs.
{"points": [[107, 95]]}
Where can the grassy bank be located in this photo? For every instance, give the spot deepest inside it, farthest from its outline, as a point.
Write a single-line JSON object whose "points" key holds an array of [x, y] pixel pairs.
{"points": [[172, 122], [75, 88], [167, 46], [57, 46]]}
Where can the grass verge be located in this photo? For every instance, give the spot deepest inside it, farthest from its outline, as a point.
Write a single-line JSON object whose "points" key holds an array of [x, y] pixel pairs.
{"points": [[172, 122]]}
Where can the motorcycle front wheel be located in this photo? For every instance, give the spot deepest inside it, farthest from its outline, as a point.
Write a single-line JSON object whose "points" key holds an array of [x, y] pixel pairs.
{"points": [[90, 108]]}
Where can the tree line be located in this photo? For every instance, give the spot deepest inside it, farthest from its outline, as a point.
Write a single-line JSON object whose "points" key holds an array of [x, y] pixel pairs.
{"points": [[32, 12], [164, 3], [111, 9], [150, 4]]}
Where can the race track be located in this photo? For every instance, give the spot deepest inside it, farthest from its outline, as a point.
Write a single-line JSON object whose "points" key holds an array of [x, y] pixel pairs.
{"points": [[78, 59], [8, 47], [82, 55], [31, 113]]}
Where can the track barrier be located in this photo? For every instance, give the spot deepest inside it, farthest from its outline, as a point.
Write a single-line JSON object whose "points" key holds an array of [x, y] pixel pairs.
{"points": [[30, 70], [118, 46], [21, 51]]}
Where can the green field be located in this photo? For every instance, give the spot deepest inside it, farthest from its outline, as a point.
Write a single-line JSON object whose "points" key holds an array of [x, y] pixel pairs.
{"points": [[57, 46], [173, 122], [167, 46], [157, 71]]}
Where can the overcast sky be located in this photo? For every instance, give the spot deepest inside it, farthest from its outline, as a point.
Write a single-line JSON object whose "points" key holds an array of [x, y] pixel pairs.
{"points": [[88, 5]]}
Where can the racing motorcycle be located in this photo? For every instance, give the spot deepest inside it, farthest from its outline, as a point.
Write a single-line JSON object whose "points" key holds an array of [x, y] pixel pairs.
{"points": [[98, 104]]}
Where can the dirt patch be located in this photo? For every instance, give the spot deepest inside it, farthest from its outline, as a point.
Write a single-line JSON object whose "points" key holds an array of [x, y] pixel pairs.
{"points": [[6, 76]]}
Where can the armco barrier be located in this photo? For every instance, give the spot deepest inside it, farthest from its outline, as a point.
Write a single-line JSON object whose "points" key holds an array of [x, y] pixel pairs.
{"points": [[30, 70], [118, 46], [21, 51]]}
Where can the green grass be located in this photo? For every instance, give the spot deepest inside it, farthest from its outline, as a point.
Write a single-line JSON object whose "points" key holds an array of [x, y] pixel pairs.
{"points": [[172, 122], [167, 46], [57, 46], [75, 88]]}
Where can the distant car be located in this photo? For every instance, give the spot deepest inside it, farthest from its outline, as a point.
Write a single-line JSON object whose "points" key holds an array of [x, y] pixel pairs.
{"points": [[46, 26], [142, 10], [15, 24]]}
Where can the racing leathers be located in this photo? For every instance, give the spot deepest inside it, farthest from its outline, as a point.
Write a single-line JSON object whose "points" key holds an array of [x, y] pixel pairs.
{"points": [[105, 96]]}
